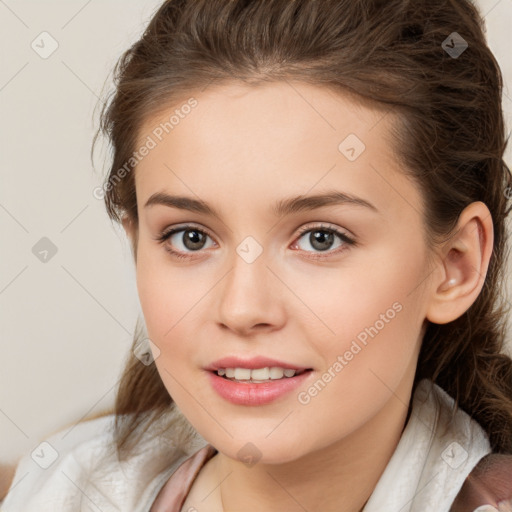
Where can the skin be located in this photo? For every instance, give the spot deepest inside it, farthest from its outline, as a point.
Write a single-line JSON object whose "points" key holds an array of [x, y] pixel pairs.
{"points": [[241, 149]]}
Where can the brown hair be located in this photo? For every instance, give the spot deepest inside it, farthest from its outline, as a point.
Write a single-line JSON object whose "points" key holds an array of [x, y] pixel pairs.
{"points": [[450, 138]]}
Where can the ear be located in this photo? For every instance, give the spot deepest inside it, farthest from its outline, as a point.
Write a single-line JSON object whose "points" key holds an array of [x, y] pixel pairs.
{"points": [[462, 266]]}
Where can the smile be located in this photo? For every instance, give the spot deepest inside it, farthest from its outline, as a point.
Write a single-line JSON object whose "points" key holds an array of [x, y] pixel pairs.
{"points": [[242, 389]]}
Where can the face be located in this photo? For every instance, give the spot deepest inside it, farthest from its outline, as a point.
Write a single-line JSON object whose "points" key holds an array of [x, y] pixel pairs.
{"points": [[332, 285]]}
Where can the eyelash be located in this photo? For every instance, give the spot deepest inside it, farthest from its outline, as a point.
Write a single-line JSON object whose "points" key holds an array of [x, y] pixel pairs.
{"points": [[348, 242]]}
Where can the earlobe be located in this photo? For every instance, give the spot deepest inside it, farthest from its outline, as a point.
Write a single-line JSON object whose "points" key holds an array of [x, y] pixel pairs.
{"points": [[464, 267]]}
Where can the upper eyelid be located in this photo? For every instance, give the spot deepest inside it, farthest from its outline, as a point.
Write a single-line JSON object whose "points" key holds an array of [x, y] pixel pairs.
{"points": [[324, 226], [301, 231], [176, 229]]}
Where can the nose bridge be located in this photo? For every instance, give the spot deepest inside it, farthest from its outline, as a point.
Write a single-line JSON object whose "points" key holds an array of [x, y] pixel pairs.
{"points": [[248, 297]]}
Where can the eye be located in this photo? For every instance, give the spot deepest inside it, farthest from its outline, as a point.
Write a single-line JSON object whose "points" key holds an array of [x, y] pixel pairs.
{"points": [[181, 242], [323, 239], [184, 239]]}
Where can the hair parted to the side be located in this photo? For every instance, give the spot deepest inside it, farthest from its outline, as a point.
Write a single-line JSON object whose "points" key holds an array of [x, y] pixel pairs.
{"points": [[450, 141]]}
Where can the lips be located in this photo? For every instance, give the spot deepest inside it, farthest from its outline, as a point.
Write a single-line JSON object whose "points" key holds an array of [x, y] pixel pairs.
{"points": [[252, 363], [252, 394]]}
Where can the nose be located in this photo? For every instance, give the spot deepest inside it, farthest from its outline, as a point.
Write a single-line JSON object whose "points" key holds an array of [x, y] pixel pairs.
{"points": [[251, 298]]}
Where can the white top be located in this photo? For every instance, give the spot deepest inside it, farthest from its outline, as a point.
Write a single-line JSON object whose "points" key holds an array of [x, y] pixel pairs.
{"points": [[425, 473]]}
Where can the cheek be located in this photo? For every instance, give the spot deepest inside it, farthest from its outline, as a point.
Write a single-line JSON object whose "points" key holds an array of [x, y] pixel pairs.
{"points": [[368, 284], [167, 294], [370, 315], [373, 348], [170, 300]]}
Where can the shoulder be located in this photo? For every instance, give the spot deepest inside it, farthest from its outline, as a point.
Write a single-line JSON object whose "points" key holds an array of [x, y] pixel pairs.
{"points": [[45, 469], [489, 483], [80, 466]]}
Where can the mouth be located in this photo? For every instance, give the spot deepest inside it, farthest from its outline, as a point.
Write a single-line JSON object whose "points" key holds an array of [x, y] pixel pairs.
{"points": [[257, 386]]}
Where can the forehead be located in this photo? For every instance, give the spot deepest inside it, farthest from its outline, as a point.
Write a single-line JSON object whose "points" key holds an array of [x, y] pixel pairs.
{"points": [[294, 136], [288, 111]]}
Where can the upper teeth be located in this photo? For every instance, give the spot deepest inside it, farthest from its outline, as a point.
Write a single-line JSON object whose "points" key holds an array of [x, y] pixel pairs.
{"points": [[273, 372]]}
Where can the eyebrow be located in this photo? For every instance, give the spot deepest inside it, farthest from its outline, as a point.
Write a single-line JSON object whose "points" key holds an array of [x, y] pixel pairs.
{"points": [[280, 208]]}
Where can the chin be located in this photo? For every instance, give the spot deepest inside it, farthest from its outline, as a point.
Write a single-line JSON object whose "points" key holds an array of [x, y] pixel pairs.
{"points": [[262, 451]]}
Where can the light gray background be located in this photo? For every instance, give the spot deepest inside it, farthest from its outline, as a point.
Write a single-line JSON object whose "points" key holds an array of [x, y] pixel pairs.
{"points": [[66, 325]]}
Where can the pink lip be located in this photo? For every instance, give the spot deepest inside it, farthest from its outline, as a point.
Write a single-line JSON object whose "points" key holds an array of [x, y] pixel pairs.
{"points": [[241, 393], [254, 362]]}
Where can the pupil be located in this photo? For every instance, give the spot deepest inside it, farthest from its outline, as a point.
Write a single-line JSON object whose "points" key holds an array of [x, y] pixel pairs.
{"points": [[321, 240]]}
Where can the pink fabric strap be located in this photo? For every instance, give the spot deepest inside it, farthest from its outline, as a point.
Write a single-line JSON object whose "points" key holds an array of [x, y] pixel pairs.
{"points": [[172, 495], [490, 483]]}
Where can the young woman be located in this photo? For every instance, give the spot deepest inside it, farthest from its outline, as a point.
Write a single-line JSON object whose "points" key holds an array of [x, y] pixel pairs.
{"points": [[316, 197]]}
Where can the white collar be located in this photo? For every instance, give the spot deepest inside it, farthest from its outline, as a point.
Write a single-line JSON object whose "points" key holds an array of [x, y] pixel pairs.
{"points": [[433, 457]]}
